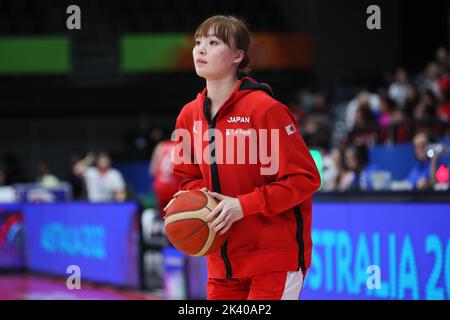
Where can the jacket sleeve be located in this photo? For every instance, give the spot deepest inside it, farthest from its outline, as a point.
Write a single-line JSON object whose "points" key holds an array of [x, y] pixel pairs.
{"points": [[297, 177], [192, 178]]}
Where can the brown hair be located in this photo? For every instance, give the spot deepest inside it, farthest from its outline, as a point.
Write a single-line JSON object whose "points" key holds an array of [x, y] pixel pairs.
{"points": [[227, 28]]}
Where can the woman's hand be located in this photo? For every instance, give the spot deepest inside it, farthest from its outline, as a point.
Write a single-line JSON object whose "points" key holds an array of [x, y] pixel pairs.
{"points": [[227, 211], [175, 196]]}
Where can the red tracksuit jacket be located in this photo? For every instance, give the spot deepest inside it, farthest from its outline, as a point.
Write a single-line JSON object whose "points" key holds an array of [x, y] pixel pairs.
{"points": [[275, 232]]}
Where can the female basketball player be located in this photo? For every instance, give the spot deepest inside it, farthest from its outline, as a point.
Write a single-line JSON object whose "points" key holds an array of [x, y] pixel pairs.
{"points": [[265, 205]]}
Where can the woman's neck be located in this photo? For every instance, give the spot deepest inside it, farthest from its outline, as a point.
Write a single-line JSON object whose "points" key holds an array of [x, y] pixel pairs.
{"points": [[220, 90]]}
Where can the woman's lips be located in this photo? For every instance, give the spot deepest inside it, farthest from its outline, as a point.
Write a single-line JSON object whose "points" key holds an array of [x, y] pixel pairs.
{"points": [[200, 61]]}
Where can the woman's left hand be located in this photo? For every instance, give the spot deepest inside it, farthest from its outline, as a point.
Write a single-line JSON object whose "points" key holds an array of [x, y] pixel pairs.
{"points": [[227, 211]]}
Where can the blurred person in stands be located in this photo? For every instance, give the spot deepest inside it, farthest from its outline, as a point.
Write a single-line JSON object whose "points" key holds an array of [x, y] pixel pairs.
{"points": [[425, 109], [365, 128], [356, 169], [422, 176], [103, 183], [316, 125], [45, 177], [165, 183], [363, 98], [364, 117], [316, 131], [399, 88], [412, 99], [432, 75], [332, 169], [387, 109]]}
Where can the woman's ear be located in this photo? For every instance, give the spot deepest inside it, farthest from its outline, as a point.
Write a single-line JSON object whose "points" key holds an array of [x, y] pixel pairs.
{"points": [[239, 56]]}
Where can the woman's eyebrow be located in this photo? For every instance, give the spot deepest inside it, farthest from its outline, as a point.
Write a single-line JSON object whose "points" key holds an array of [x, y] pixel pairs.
{"points": [[207, 36]]}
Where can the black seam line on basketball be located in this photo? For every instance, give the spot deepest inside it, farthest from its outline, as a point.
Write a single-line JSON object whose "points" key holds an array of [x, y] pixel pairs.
{"points": [[190, 236], [299, 235], [205, 207], [215, 181]]}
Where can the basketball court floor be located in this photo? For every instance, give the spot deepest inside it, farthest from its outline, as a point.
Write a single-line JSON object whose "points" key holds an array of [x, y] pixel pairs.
{"points": [[40, 287]]}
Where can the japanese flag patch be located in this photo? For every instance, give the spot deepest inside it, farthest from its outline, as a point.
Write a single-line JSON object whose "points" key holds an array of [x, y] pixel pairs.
{"points": [[290, 129]]}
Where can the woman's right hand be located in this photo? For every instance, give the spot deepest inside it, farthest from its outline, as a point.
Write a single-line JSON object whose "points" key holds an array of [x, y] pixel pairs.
{"points": [[175, 196]]}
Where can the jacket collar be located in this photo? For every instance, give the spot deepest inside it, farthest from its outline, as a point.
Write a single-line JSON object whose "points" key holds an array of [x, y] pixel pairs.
{"points": [[245, 86]]}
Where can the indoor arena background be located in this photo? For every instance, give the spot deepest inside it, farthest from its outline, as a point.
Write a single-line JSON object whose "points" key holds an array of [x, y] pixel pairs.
{"points": [[364, 92]]}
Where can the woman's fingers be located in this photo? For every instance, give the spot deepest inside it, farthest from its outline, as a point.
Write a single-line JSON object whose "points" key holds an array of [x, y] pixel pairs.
{"points": [[220, 222], [217, 210], [225, 229]]}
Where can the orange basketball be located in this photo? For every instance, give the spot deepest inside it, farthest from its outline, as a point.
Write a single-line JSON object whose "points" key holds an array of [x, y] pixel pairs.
{"points": [[186, 226]]}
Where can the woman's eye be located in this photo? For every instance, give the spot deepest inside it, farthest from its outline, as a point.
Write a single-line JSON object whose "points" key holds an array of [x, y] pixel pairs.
{"points": [[197, 43], [213, 42]]}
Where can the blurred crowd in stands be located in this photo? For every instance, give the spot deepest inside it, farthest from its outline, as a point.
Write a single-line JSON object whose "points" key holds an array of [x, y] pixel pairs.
{"points": [[342, 123], [347, 121]]}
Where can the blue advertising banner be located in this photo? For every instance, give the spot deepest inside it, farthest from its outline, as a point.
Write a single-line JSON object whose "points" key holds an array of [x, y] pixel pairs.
{"points": [[12, 250], [372, 251], [379, 251], [101, 239]]}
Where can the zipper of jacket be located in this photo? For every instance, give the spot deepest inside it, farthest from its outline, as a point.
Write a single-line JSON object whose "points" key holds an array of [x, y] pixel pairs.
{"points": [[216, 185]]}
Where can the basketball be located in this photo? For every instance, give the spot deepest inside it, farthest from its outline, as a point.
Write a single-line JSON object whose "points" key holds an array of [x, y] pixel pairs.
{"points": [[186, 225]]}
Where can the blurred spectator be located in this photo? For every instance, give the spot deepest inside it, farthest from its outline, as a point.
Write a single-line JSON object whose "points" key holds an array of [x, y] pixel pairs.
{"points": [[422, 175], [316, 131], [165, 183], [427, 105], [398, 90], [365, 127], [103, 183], [412, 99], [431, 81], [387, 109], [356, 172], [363, 98], [315, 122], [45, 178], [332, 169], [364, 117]]}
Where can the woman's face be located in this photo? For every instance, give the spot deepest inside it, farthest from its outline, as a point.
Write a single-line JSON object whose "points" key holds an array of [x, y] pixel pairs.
{"points": [[214, 59]]}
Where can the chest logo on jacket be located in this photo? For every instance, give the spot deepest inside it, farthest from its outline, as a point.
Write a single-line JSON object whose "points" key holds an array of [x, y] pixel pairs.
{"points": [[238, 120], [228, 146]]}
